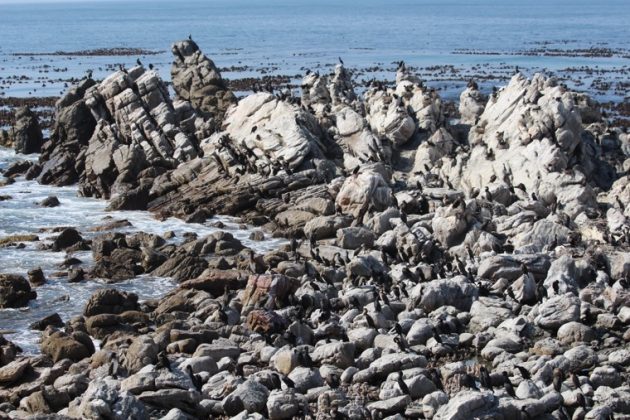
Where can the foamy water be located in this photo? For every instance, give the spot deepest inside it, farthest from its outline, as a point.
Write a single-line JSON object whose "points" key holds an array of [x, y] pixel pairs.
{"points": [[22, 215]]}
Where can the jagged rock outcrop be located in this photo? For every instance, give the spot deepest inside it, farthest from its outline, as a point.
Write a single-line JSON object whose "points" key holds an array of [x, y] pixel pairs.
{"points": [[197, 80], [531, 133], [72, 130]]}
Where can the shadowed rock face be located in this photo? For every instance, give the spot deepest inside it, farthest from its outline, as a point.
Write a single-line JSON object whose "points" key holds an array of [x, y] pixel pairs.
{"points": [[27, 134], [197, 80]]}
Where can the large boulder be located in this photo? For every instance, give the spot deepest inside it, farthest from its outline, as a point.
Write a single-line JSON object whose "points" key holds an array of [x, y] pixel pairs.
{"points": [[362, 191], [110, 301], [59, 345], [458, 292]]}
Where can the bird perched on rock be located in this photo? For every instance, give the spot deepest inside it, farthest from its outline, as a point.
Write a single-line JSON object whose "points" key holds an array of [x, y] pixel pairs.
{"points": [[508, 385], [194, 378], [401, 384], [163, 362]]}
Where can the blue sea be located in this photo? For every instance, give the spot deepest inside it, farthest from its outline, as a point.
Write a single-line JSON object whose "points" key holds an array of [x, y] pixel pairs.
{"points": [[288, 36]]}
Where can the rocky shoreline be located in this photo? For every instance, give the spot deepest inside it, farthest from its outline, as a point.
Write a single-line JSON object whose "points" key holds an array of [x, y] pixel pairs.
{"points": [[436, 268]]}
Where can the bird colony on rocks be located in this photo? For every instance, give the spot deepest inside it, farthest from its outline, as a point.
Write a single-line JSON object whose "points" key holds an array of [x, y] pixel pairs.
{"points": [[437, 268]]}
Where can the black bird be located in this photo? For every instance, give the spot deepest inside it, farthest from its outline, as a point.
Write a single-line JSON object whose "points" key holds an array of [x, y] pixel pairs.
{"points": [[556, 287], [288, 382], [402, 385], [581, 400], [334, 381], [340, 61], [436, 335], [484, 378], [163, 362], [398, 329], [113, 367], [524, 372], [469, 381], [138, 62], [558, 378], [195, 379], [369, 319], [401, 344], [435, 378], [508, 385], [190, 37], [576, 381]]}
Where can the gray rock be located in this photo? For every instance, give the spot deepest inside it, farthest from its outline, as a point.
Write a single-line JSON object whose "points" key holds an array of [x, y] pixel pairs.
{"points": [[355, 237], [218, 349], [305, 379], [466, 405], [457, 291], [390, 406], [339, 354], [573, 332], [282, 405], [103, 399], [556, 311], [250, 395]]}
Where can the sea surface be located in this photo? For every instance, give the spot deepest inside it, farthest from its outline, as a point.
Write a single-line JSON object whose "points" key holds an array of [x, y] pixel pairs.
{"points": [[288, 36], [260, 37]]}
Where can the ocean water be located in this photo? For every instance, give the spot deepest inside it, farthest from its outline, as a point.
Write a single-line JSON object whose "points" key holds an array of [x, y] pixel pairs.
{"points": [[287, 36]]}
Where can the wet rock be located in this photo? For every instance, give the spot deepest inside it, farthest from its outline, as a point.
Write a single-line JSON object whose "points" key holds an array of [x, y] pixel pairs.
{"points": [[15, 291], [110, 301], [53, 320], [50, 201], [36, 277], [67, 238]]}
